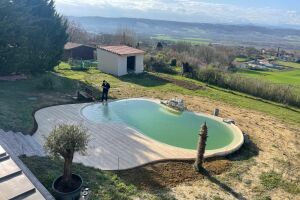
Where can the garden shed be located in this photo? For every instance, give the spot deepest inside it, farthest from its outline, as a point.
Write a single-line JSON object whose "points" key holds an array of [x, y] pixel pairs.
{"points": [[120, 60], [79, 51]]}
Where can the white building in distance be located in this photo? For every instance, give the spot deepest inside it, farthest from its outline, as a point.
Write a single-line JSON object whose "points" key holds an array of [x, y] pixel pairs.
{"points": [[120, 60]]}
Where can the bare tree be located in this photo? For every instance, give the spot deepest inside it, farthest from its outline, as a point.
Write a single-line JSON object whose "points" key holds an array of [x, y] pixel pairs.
{"points": [[207, 53], [77, 33], [126, 36]]}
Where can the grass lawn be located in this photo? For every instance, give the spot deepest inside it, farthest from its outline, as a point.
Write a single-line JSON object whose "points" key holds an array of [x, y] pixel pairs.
{"points": [[289, 64], [239, 59], [19, 99], [104, 185], [290, 77]]}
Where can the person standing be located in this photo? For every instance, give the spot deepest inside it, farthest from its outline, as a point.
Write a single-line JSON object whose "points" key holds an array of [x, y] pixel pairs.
{"points": [[106, 87]]}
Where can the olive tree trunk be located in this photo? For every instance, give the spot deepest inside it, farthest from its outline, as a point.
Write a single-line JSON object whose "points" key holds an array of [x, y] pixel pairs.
{"points": [[67, 176], [201, 148]]}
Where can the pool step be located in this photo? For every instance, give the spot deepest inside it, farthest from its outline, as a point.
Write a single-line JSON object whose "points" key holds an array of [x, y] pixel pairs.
{"points": [[21, 144]]}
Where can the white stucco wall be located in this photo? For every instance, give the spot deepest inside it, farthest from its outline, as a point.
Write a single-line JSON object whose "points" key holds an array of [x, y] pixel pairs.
{"points": [[122, 65], [139, 64], [117, 65], [108, 62]]}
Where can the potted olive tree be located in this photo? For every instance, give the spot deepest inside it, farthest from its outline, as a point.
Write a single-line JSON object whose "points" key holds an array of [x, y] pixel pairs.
{"points": [[63, 142]]}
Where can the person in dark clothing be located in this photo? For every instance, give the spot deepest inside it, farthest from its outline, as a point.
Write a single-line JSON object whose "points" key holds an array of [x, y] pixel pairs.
{"points": [[105, 86]]}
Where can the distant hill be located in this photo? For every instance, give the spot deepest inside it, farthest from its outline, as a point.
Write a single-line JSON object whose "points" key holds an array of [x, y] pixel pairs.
{"points": [[249, 35]]}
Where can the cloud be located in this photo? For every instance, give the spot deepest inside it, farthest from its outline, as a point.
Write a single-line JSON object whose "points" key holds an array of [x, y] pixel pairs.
{"points": [[180, 10]]}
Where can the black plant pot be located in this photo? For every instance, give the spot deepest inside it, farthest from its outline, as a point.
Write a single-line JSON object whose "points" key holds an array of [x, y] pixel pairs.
{"points": [[73, 195]]}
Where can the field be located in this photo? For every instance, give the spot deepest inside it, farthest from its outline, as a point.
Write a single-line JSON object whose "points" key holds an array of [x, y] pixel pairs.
{"points": [[239, 59], [289, 64], [290, 76], [191, 40], [270, 153]]}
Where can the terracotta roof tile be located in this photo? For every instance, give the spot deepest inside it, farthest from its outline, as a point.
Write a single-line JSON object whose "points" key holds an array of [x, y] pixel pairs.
{"points": [[121, 50]]}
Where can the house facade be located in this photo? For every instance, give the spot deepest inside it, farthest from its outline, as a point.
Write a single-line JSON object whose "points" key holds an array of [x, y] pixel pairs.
{"points": [[120, 60]]}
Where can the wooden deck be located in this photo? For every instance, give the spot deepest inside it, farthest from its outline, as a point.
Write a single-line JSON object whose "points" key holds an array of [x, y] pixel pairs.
{"points": [[112, 146]]}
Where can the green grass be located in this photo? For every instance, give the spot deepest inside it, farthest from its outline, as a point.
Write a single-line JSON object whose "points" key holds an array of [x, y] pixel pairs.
{"points": [[289, 64], [290, 77], [239, 59], [272, 180], [104, 185], [191, 40], [19, 99]]}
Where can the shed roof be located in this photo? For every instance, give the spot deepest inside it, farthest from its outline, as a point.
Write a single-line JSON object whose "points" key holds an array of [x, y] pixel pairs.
{"points": [[121, 50], [72, 45]]}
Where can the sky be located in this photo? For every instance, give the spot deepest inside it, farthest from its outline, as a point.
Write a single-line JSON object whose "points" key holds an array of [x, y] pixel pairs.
{"points": [[259, 12]]}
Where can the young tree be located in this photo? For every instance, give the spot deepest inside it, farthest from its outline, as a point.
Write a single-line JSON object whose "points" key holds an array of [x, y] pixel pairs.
{"points": [[64, 141], [201, 148]]}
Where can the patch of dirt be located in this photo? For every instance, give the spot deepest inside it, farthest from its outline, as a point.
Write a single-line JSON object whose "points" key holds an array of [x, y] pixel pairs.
{"points": [[171, 173]]}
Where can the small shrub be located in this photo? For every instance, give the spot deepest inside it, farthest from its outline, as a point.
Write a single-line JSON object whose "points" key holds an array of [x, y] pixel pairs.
{"points": [[158, 64], [173, 62], [270, 180]]}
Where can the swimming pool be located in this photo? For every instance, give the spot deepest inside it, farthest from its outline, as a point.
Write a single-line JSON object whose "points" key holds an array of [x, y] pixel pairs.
{"points": [[179, 129]]}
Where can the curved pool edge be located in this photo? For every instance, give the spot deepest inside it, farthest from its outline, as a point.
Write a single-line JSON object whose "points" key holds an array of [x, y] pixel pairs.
{"points": [[235, 145], [48, 118]]}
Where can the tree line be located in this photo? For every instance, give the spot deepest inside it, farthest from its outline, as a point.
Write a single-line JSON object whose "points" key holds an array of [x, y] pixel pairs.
{"points": [[32, 36]]}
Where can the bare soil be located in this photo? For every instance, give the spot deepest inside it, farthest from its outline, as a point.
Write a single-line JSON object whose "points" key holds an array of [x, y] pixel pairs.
{"points": [[170, 174]]}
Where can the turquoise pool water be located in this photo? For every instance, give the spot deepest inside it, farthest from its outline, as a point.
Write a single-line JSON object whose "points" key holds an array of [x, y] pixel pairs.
{"points": [[160, 123]]}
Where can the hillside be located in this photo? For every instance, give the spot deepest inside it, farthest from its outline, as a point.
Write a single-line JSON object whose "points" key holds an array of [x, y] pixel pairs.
{"points": [[249, 35]]}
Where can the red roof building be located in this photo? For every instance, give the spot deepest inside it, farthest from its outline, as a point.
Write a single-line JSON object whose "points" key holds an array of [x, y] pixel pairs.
{"points": [[120, 60]]}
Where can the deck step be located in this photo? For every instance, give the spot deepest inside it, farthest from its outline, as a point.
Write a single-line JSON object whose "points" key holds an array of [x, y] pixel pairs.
{"points": [[24, 188], [38, 149], [8, 170], [2, 152], [3, 158], [21, 144], [34, 196], [26, 147]]}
